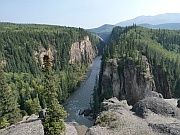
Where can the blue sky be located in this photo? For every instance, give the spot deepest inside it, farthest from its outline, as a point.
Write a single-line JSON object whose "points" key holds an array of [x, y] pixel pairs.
{"points": [[82, 13]]}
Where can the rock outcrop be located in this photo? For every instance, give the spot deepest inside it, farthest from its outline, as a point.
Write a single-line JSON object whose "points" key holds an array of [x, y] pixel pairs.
{"points": [[126, 81], [32, 125], [70, 129], [157, 106], [82, 50], [178, 103], [117, 118], [29, 127]]}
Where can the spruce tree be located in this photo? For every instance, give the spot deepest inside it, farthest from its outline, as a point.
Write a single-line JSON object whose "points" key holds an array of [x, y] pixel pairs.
{"points": [[53, 124], [9, 108]]}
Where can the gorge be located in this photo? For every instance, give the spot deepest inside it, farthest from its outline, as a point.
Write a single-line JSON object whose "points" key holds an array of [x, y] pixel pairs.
{"points": [[126, 86]]}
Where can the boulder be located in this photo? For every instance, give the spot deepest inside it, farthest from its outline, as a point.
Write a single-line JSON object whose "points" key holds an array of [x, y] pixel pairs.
{"points": [[154, 94], [32, 117], [81, 111], [172, 129], [178, 103], [113, 103], [92, 116], [81, 129], [70, 129], [156, 105], [87, 112], [42, 113]]}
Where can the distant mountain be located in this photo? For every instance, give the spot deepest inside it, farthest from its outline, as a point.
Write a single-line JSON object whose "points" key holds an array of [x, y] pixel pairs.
{"points": [[169, 26], [103, 31], [153, 20], [103, 28], [169, 21]]}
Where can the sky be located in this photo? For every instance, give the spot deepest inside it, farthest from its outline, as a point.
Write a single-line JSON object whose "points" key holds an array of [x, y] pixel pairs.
{"points": [[82, 13]]}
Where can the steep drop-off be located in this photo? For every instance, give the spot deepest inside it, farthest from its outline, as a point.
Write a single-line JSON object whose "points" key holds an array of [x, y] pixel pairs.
{"points": [[126, 80]]}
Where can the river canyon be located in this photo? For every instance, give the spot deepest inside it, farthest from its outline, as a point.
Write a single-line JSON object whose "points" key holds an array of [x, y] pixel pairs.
{"points": [[83, 96]]}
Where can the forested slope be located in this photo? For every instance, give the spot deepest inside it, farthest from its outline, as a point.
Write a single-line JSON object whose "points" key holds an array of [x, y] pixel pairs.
{"points": [[22, 47], [130, 46]]}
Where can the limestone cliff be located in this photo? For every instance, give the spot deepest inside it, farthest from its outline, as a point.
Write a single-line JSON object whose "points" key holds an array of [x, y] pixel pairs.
{"points": [[82, 50], [126, 80]]}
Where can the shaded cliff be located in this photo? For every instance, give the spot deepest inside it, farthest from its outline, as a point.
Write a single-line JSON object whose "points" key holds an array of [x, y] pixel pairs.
{"points": [[125, 79]]}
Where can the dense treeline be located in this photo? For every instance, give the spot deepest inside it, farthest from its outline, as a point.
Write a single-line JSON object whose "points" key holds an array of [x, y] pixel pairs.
{"points": [[161, 47], [20, 49]]}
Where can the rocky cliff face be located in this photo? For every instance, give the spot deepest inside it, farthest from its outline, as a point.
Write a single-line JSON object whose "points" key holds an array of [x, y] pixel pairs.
{"points": [[110, 78], [126, 81], [164, 83], [79, 52], [82, 50]]}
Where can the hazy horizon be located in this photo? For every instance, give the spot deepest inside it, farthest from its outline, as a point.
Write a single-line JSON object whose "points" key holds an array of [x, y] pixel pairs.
{"points": [[79, 13]]}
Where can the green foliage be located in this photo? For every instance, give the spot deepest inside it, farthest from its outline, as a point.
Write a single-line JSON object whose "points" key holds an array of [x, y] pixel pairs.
{"points": [[32, 106], [26, 88], [107, 119], [53, 124], [21, 46], [3, 123], [9, 111]]}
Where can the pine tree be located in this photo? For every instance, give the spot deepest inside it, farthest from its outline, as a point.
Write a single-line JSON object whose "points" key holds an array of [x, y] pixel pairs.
{"points": [[53, 124], [32, 106], [9, 108]]}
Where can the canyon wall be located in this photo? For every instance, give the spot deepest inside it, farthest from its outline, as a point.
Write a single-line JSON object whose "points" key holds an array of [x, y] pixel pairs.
{"points": [[126, 80], [82, 50]]}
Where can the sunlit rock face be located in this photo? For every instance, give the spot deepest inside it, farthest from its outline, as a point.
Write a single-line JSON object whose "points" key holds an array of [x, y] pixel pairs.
{"points": [[82, 50]]}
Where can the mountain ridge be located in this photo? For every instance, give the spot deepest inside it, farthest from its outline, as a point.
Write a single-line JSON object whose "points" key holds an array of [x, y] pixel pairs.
{"points": [[154, 20]]}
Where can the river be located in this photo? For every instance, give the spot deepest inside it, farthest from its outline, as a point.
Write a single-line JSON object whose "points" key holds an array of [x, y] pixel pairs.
{"points": [[81, 98]]}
